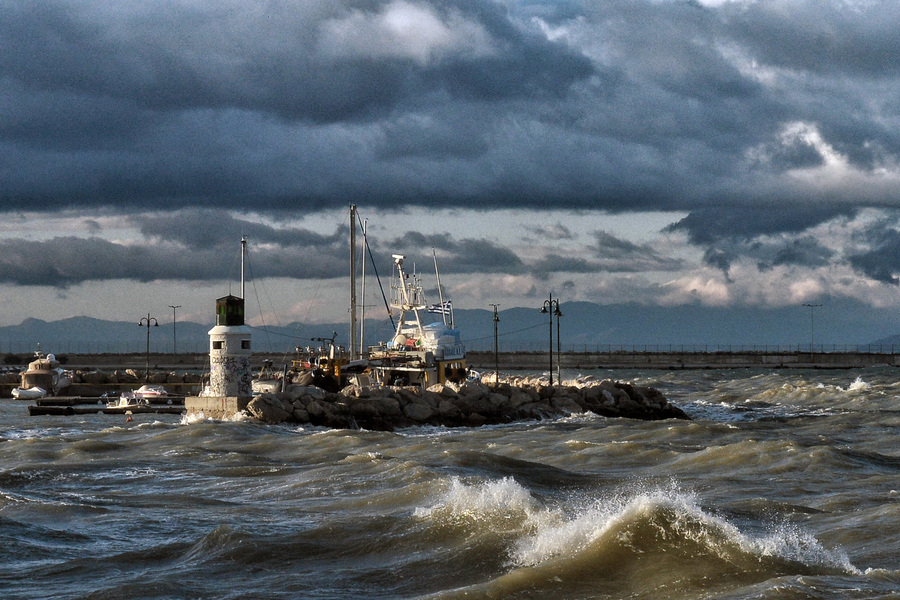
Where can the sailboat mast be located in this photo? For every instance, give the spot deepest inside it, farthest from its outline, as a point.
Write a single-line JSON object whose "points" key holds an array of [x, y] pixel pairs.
{"points": [[354, 352]]}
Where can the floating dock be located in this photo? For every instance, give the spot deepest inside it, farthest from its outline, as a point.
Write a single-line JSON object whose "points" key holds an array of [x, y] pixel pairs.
{"points": [[76, 405]]}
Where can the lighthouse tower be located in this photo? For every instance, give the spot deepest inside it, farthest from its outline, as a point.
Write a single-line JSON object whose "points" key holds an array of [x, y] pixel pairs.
{"points": [[229, 351]]}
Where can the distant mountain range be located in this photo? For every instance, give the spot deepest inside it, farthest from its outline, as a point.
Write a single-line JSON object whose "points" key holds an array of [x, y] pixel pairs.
{"points": [[583, 326]]}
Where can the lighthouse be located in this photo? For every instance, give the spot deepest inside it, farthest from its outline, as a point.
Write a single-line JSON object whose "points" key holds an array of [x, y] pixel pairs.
{"points": [[230, 378], [229, 350]]}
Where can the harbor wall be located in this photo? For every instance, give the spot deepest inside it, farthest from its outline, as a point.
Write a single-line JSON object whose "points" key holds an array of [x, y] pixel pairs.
{"points": [[613, 359], [681, 360], [181, 374]]}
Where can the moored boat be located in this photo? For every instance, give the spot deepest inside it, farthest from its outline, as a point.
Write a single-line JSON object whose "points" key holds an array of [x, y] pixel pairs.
{"points": [[419, 354], [31, 393], [140, 396], [128, 400], [151, 391], [44, 377]]}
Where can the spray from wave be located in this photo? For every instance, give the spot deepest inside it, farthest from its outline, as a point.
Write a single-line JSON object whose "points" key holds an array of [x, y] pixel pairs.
{"points": [[658, 537]]}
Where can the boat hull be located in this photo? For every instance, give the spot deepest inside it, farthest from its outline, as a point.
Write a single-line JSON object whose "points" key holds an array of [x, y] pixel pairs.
{"points": [[31, 393]]}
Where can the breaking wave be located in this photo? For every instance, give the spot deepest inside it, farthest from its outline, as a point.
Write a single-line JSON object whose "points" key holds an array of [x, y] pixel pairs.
{"points": [[660, 536]]}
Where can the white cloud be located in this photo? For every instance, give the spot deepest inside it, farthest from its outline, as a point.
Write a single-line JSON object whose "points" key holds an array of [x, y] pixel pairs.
{"points": [[404, 30], [708, 288]]}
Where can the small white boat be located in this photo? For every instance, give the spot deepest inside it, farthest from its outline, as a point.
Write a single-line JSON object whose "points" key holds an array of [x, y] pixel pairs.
{"points": [[268, 381], [32, 393], [151, 391], [138, 397], [128, 400]]}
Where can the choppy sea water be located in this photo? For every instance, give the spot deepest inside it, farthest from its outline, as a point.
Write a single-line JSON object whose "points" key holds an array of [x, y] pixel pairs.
{"points": [[784, 485]]}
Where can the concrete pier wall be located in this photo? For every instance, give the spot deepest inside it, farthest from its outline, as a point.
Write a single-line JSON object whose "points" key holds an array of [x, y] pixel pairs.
{"points": [[682, 360]]}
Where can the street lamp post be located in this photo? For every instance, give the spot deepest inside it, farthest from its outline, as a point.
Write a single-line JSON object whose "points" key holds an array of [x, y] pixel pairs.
{"points": [[812, 329], [496, 346], [146, 322], [551, 307], [174, 334], [558, 314]]}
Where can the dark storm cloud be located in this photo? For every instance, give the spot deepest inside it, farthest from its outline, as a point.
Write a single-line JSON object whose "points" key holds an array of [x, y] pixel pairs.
{"points": [[232, 56], [193, 229], [821, 37], [728, 233], [745, 222], [557, 263], [805, 251], [625, 105], [555, 232], [467, 255], [881, 261], [187, 245], [618, 255]]}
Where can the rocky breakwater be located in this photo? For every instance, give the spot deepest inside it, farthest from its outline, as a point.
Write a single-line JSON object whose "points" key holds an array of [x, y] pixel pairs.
{"points": [[469, 404]]}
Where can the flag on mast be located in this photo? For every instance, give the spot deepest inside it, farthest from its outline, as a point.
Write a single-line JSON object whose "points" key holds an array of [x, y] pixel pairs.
{"points": [[442, 309]]}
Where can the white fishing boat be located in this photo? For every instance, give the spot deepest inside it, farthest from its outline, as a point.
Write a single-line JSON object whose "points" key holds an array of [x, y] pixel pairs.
{"points": [[420, 354], [44, 377]]}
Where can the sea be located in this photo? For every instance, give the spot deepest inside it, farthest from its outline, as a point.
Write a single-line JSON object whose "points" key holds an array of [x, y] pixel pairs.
{"points": [[785, 484]]}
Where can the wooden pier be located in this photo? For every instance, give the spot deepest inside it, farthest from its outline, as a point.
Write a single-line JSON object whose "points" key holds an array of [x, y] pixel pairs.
{"points": [[78, 405]]}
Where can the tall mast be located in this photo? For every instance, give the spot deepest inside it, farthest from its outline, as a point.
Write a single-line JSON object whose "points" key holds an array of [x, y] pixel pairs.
{"points": [[362, 320], [243, 252], [353, 349], [441, 292]]}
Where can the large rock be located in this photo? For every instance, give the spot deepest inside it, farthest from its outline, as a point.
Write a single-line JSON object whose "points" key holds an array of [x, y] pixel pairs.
{"points": [[94, 377], [419, 412], [268, 408]]}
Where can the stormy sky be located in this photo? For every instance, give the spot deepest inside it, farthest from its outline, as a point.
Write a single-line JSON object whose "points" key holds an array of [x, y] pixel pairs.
{"points": [[727, 153]]}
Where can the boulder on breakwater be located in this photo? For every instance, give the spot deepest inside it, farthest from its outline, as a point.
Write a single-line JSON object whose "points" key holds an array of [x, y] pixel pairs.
{"points": [[469, 404]]}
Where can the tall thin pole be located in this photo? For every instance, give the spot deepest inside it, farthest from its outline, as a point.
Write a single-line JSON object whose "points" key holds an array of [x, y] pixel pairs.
{"points": [[496, 345], [362, 319], [812, 328], [551, 307], [174, 333], [548, 308], [558, 365], [353, 348], [243, 252], [437, 275], [148, 320]]}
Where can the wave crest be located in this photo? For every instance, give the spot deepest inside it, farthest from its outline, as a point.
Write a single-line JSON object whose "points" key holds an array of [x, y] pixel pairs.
{"points": [[638, 539]]}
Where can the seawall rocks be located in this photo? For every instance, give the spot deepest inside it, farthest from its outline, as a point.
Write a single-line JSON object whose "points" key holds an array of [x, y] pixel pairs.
{"points": [[469, 404]]}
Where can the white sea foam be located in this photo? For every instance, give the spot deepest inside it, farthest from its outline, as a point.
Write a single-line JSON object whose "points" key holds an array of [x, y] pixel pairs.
{"points": [[858, 385], [504, 498], [586, 525], [545, 534], [200, 417]]}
